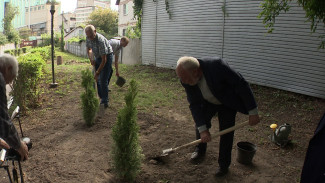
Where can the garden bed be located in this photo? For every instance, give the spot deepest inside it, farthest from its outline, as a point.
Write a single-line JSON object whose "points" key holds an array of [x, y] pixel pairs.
{"points": [[65, 149]]}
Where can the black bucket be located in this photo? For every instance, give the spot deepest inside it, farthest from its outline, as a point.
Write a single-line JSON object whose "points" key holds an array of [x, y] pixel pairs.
{"points": [[120, 81], [245, 152]]}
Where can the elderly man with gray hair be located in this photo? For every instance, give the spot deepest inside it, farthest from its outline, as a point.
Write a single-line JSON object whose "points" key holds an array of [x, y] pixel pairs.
{"points": [[8, 132], [212, 87], [99, 47]]}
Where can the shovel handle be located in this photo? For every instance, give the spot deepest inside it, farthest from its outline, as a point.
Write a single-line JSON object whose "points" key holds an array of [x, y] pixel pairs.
{"points": [[94, 71], [217, 135]]}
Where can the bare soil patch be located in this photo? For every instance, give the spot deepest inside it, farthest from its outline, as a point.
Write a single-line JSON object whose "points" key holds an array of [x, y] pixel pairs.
{"points": [[66, 150]]}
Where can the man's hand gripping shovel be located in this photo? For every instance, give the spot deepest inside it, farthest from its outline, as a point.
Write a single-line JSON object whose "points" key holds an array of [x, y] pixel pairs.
{"points": [[166, 152], [101, 107]]}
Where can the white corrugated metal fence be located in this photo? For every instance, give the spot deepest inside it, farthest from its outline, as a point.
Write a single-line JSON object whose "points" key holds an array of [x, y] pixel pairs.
{"points": [[287, 59]]}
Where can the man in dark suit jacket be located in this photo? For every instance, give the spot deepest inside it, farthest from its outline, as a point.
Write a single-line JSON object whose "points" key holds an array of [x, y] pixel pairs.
{"points": [[213, 87], [314, 167]]}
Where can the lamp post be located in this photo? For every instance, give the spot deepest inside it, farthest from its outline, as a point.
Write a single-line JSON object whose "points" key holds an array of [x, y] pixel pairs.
{"points": [[53, 84]]}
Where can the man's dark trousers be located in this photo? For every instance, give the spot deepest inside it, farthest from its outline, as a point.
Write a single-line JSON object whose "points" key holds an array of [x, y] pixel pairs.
{"points": [[226, 117], [103, 80]]}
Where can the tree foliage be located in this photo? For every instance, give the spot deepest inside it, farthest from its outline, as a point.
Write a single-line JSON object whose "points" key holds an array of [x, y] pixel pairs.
{"points": [[126, 150], [105, 21], [137, 12], [24, 33], [62, 37], [315, 13], [54, 2], [133, 32], [9, 31], [46, 39], [3, 39]]}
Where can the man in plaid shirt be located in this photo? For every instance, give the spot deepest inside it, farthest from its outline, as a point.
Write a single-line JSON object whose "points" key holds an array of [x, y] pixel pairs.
{"points": [[8, 132], [99, 47]]}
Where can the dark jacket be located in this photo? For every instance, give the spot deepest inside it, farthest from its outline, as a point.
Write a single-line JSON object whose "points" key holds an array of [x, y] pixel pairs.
{"points": [[8, 131], [314, 167], [227, 85]]}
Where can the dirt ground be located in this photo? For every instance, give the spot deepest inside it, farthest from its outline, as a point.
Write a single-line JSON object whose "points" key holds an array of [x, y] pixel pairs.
{"points": [[65, 150]]}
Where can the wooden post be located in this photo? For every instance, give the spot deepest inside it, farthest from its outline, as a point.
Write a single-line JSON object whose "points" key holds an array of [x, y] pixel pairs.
{"points": [[59, 60]]}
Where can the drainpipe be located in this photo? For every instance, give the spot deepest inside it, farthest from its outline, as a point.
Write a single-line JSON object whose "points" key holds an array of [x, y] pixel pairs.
{"points": [[156, 1], [223, 27]]}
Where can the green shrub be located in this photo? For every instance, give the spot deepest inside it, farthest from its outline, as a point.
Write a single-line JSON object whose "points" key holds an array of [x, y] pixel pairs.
{"points": [[45, 52], [46, 39], [126, 151], [24, 49], [77, 39], [3, 39], [90, 102], [133, 32], [28, 48], [62, 37], [26, 86], [11, 52]]}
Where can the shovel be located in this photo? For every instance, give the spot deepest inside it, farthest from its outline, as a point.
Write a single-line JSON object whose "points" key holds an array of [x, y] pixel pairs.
{"points": [[166, 152], [94, 72]]}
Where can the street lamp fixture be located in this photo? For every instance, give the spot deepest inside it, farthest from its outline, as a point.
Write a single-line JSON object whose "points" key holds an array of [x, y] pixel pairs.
{"points": [[53, 84]]}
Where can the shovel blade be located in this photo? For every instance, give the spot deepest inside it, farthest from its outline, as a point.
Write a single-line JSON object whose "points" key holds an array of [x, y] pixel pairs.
{"points": [[167, 151]]}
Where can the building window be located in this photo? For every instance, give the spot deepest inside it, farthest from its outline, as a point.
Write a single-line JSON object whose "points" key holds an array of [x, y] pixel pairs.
{"points": [[39, 7], [43, 7], [31, 9], [124, 30], [26, 10], [125, 9]]}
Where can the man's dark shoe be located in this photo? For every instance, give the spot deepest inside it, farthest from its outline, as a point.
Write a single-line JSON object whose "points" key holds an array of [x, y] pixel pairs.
{"points": [[221, 172], [105, 106], [197, 157]]}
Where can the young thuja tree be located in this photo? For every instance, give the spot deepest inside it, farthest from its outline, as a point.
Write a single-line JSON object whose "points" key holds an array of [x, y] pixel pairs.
{"points": [[62, 37], [126, 151], [90, 102]]}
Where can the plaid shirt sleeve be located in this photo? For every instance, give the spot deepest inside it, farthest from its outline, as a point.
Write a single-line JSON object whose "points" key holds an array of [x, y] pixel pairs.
{"points": [[88, 43], [8, 131], [103, 46]]}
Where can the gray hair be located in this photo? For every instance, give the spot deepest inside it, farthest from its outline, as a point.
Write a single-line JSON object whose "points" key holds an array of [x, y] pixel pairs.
{"points": [[188, 63], [90, 28], [6, 61]]}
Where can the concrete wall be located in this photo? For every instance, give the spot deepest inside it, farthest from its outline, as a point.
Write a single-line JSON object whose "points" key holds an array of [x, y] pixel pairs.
{"points": [[76, 49], [6, 47], [132, 53], [125, 19]]}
